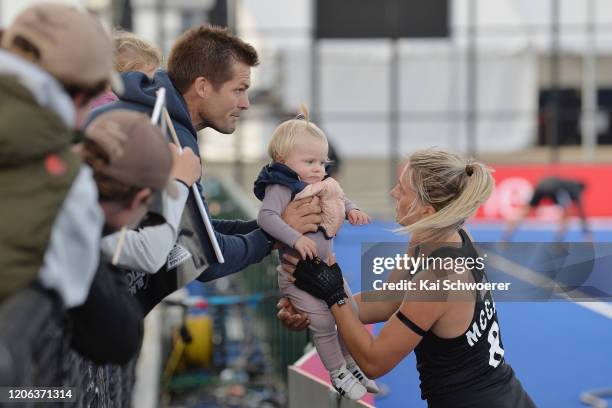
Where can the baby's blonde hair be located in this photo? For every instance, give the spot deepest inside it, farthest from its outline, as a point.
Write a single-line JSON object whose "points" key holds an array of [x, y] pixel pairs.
{"points": [[133, 53], [453, 186], [288, 133]]}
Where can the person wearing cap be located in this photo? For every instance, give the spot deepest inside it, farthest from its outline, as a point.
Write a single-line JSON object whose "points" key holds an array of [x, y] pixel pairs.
{"points": [[206, 86], [131, 163], [141, 246], [53, 60], [69, 44]]}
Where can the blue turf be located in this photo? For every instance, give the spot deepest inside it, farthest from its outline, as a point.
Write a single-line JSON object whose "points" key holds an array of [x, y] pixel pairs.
{"points": [[557, 349]]}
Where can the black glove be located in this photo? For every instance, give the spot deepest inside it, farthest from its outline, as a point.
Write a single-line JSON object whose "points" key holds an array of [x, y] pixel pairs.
{"points": [[321, 281]]}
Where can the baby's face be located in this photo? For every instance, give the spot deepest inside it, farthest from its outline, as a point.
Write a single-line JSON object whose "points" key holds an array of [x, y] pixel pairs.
{"points": [[308, 159]]}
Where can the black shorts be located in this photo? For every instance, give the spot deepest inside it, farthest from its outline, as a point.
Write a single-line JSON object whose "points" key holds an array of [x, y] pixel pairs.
{"points": [[510, 395], [559, 191], [559, 197]]}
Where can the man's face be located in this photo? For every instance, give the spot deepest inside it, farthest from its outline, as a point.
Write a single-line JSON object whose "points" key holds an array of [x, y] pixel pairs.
{"points": [[222, 107]]}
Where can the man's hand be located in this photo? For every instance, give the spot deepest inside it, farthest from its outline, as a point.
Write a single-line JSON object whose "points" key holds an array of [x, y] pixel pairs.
{"points": [[303, 215], [187, 166], [289, 317]]}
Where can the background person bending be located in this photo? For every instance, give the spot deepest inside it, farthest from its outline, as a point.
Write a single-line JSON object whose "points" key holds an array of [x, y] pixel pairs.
{"points": [[562, 192]]}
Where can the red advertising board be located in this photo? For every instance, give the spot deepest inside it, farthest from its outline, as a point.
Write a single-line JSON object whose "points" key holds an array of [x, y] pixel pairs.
{"points": [[514, 185]]}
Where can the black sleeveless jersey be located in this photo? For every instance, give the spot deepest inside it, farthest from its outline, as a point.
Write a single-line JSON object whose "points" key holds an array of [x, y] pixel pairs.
{"points": [[469, 370]]}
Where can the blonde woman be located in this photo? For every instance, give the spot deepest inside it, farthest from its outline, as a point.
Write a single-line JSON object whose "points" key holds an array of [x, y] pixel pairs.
{"points": [[455, 335]]}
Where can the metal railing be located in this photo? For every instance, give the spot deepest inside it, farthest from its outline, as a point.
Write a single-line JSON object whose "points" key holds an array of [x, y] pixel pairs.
{"points": [[285, 346]]}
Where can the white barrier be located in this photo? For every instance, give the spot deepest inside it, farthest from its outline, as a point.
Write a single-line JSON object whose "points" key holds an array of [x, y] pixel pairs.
{"points": [[308, 389]]}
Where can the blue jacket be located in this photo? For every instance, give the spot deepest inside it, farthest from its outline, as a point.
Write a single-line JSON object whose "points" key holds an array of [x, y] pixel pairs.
{"points": [[277, 173], [242, 242]]}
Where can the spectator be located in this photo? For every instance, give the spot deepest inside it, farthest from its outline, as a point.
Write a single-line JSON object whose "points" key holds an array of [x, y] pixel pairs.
{"points": [[131, 53], [131, 162], [206, 86], [54, 60]]}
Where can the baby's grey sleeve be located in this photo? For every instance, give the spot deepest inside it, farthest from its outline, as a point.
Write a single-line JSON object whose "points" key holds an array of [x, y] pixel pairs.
{"points": [[270, 215], [349, 205]]}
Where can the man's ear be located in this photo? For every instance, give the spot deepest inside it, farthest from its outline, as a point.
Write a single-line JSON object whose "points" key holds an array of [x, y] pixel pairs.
{"points": [[201, 87], [141, 198]]}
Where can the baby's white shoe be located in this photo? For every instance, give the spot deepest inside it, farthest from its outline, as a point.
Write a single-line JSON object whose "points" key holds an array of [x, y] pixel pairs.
{"points": [[347, 384], [370, 385]]}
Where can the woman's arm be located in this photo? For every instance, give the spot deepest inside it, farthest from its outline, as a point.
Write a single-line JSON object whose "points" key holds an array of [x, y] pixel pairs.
{"points": [[377, 306], [374, 311], [400, 335], [378, 355]]}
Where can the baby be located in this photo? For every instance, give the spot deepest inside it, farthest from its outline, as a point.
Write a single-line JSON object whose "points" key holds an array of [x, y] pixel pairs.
{"points": [[299, 149]]}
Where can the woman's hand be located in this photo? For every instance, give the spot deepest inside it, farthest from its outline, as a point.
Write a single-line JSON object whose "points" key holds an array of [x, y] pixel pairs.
{"points": [[289, 263], [320, 280]]}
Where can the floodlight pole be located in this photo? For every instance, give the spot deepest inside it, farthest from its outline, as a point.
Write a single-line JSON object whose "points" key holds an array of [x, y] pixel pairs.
{"points": [[394, 93], [589, 88], [552, 108], [471, 123]]}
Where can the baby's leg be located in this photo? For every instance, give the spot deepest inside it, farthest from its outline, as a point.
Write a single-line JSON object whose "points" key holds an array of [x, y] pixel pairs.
{"points": [[351, 364], [347, 289], [322, 324]]}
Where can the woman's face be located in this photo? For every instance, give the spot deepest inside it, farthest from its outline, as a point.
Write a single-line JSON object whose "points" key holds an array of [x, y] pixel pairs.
{"points": [[407, 209], [404, 196]]}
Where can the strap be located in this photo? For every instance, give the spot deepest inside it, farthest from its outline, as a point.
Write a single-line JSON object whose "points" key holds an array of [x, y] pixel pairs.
{"points": [[402, 317]]}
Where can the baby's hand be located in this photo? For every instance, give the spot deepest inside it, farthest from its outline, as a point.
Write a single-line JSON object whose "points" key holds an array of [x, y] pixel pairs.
{"points": [[358, 217], [306, 247]]}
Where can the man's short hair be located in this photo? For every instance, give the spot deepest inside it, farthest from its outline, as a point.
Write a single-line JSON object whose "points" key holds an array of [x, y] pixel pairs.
{"points": [[207, 51]]}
